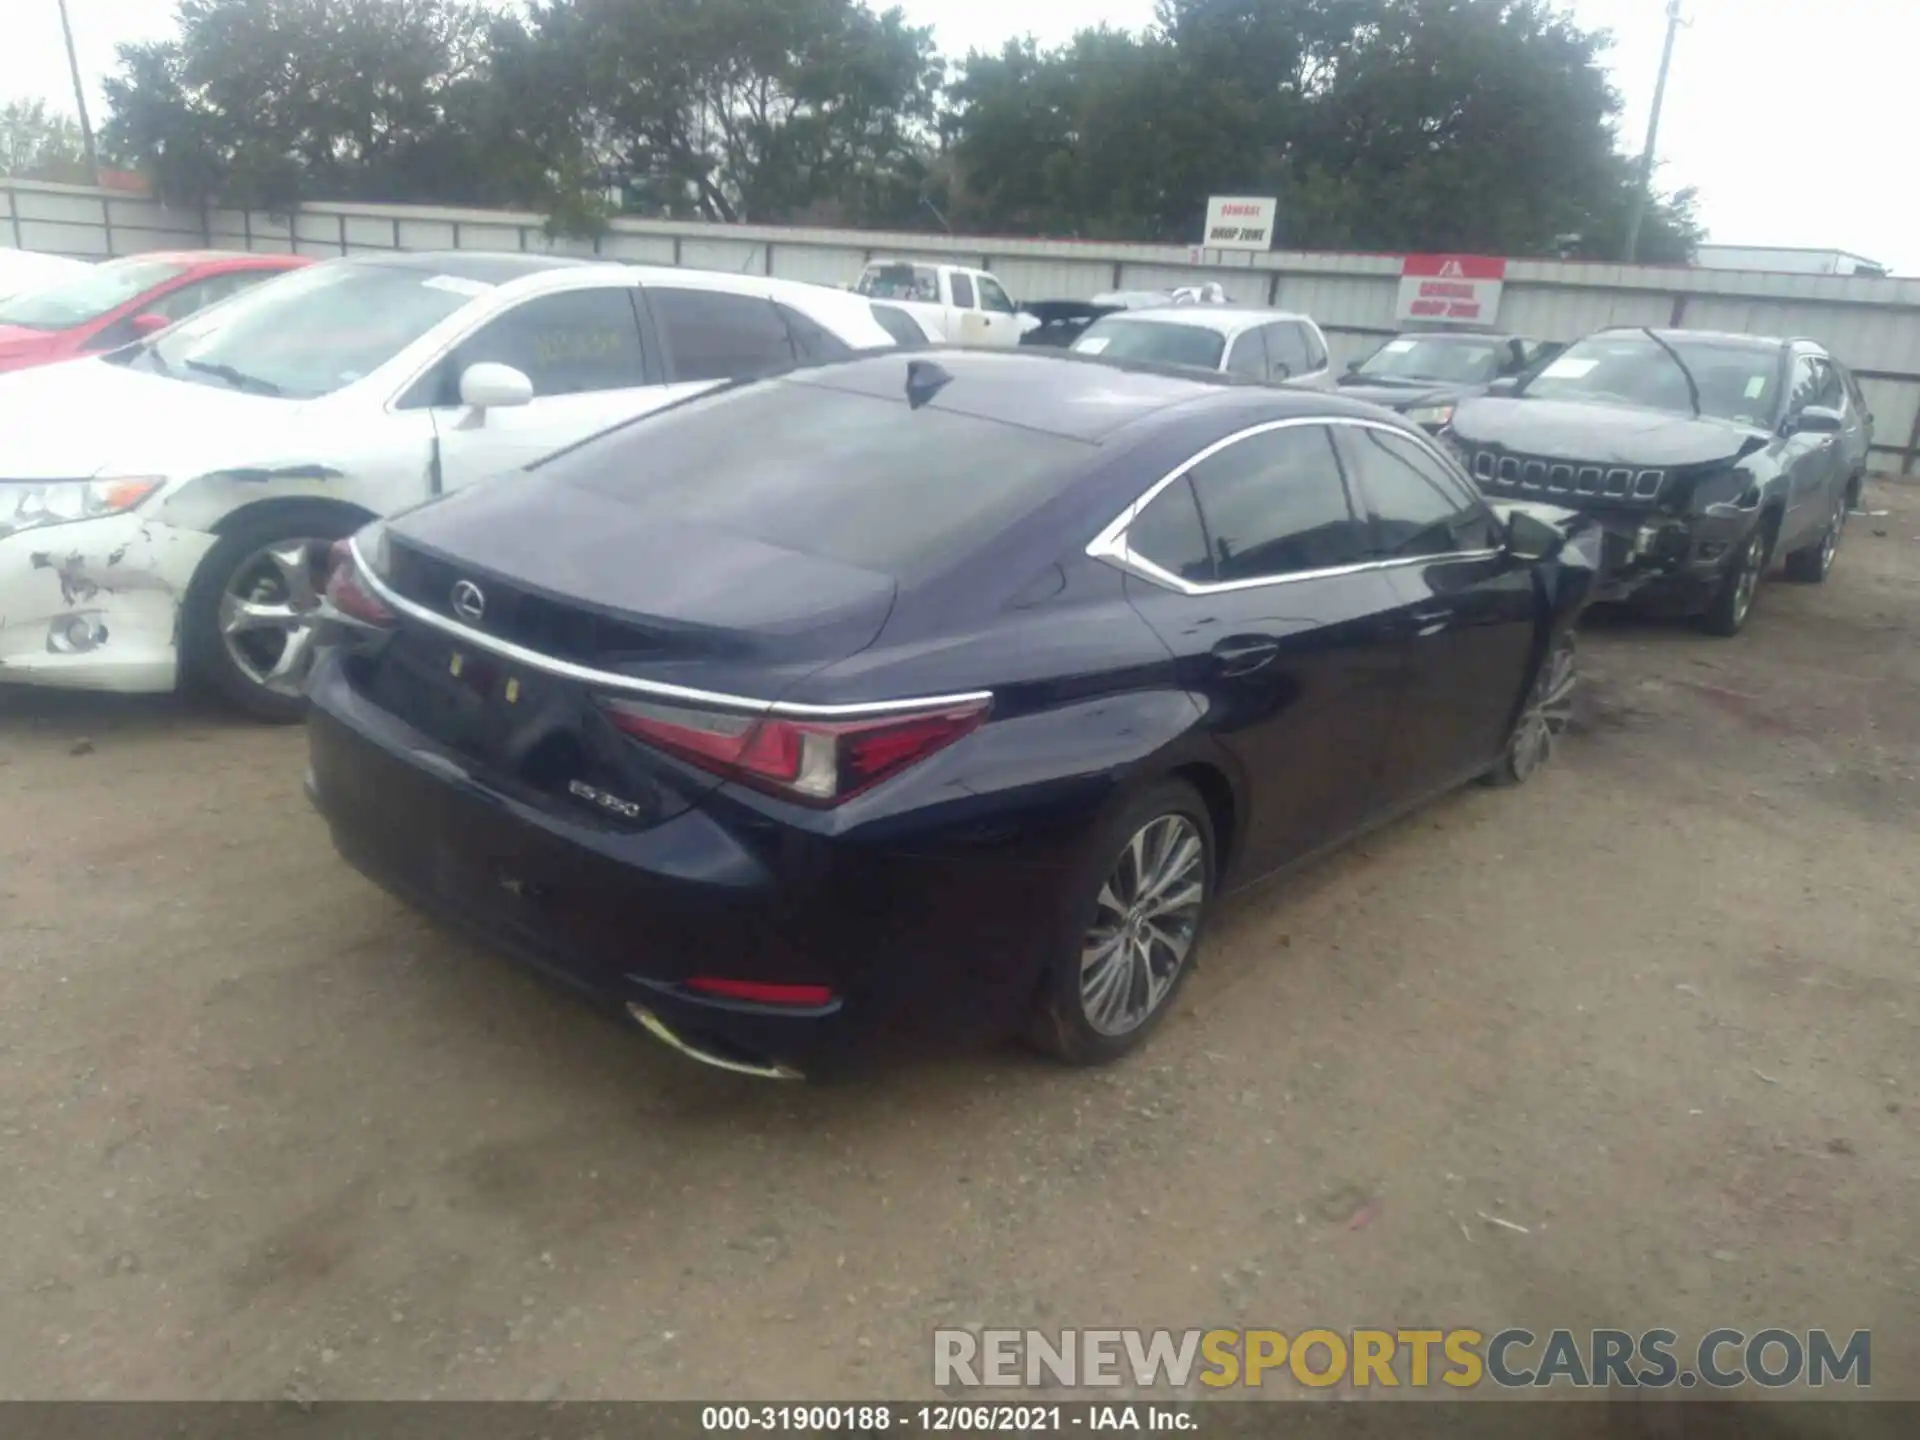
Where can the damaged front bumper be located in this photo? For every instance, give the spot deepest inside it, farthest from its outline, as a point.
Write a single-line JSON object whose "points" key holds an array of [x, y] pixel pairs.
{"points": [[95, 604], [1665, 560]]}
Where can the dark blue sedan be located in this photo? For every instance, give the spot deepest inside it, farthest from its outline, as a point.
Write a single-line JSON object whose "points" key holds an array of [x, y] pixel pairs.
{"points": [[936, 695]]}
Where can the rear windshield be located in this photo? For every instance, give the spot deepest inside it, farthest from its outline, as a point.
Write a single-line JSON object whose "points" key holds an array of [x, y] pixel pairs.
{"points": [[1119, 338], [857, 479], [896, 281]]}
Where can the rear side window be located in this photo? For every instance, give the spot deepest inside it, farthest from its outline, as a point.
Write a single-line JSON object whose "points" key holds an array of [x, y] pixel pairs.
{"points": [[1316, 347], [1168, 532], [1249, 356], [1287, 350], [1831, 393], [714, 335], [1275, 504], [962, 290], [900, 325], [813, 343], [802, 465], [1416, 508]]}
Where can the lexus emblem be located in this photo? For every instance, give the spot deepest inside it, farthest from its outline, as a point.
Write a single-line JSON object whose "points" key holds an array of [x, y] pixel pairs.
{"points": [[469, 602]]}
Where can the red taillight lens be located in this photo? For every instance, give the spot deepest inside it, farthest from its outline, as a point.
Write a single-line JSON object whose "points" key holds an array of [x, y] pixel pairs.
{"points": [[347, 595], [816, 761], [760, 993]]}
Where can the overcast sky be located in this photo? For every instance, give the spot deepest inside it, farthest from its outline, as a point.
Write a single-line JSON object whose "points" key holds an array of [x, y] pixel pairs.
{"points": [[1794, 120]]}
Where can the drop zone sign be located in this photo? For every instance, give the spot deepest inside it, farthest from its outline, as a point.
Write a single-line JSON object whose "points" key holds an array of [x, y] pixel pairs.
{"points": [[1459, 289], [1240, 222]]}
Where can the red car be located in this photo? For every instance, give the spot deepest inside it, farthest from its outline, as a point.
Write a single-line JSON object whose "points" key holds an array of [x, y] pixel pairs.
{"points": [[120, 301]]}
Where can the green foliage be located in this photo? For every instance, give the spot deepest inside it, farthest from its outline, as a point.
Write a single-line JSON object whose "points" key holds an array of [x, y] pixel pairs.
{"points": [[1381, 124], [40, 144]]}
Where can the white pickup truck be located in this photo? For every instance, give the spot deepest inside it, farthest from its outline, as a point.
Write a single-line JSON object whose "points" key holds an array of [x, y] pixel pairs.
{"points": [[953, 304]]}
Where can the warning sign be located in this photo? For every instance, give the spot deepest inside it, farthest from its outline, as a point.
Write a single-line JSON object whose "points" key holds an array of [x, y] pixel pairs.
{"points": [[1240, 222], [1454, 289]]}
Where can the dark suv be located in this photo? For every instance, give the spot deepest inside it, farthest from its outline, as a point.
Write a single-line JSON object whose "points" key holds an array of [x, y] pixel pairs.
{"points": [[1703, 455]]}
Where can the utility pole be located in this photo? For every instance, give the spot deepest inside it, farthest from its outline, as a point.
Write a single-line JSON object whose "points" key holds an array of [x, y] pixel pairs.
{"points": [[80, 97], [1645, 188]]}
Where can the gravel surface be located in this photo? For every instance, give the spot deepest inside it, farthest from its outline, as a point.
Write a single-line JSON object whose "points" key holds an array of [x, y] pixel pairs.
{"points": [[265, 1133]]}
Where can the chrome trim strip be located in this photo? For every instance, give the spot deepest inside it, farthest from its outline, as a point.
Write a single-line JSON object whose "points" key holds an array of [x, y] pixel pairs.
{"points": [[657, 1028], [633, 685], [1111, 543]]}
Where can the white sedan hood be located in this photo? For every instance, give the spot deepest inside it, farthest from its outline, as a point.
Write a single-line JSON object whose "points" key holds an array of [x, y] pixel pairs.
{"points": [[81, 418]]}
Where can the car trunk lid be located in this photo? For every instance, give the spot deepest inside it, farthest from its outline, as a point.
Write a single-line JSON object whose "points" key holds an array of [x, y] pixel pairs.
{"points": [[502, 660]]}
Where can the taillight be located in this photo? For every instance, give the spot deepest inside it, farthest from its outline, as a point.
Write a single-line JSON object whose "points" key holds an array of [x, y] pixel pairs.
{"points": [[347, 595], [820, 762]]}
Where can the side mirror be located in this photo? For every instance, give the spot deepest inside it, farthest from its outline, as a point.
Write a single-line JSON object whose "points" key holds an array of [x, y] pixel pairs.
{"points": [[1505, 385], [149, 324], [488, 386], [1531, 538], [1353, 367], [1819, 420]]}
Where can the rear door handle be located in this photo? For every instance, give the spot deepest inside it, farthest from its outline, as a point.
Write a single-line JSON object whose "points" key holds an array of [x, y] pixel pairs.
{"points": [[1243, 656]]}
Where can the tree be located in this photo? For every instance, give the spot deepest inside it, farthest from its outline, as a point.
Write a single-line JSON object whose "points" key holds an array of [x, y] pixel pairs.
{"points": [[751, 109], [270, 101], [1379, 124], [37, 143]]}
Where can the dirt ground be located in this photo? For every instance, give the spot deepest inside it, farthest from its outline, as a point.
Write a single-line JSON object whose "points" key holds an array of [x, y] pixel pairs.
{"points": [[265, 1133]]}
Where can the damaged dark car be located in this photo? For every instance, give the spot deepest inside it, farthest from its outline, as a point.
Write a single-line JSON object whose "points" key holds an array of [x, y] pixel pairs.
{"points": [[1706, 458], [1426, 374], [927, 697]]}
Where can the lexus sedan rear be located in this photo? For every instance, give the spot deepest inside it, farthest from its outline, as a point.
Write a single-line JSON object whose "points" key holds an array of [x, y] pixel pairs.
{"points": [[925, 695]]}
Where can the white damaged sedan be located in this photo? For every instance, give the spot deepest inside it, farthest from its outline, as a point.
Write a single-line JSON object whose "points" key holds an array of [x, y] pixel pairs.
{"points": [[166, 511]]}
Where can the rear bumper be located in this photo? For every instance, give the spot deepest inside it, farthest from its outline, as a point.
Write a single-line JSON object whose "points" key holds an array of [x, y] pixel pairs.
{"points": [[926, 937]]}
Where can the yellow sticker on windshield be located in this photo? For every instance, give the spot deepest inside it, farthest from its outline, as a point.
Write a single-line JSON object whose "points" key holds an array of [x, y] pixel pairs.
{"points": [[1756, 387]]}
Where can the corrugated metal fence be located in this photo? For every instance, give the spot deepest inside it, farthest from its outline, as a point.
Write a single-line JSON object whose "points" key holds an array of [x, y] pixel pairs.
{"points": [[1872, 324]]}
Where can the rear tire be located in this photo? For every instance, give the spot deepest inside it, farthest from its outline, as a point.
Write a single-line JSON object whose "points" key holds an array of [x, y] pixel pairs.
{"points": [[1733, 597], [246, 624], [1811, 564], [1133, 931]]}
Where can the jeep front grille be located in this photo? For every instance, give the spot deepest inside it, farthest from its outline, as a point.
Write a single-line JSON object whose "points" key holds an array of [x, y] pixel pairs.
{"points": [[1538, 475]]}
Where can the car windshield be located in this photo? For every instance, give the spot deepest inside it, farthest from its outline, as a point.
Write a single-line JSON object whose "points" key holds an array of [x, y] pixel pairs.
{"points": [[1152, 340], [901, 282], [99, 291], [1472, 361], [311, 331], [1736, 382], [862, 480]]}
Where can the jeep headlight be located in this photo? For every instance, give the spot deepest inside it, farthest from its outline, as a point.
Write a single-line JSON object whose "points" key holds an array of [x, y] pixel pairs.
{"points": [[1432, 417], [31, 506]]}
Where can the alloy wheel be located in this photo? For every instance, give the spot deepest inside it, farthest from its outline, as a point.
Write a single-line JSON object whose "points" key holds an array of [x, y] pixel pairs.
{"points": [[1147, 916], [1830, 547], [1549, 709], [267, 613], [1752, 563]]}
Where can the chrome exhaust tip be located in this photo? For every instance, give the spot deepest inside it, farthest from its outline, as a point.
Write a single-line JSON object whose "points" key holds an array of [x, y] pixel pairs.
{"points": [[658, 1028]]}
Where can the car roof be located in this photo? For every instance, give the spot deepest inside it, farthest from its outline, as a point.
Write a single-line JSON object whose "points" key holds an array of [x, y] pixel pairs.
{"points": [[1056, 392], [492, 267], [1226, 319], [231, 259]]}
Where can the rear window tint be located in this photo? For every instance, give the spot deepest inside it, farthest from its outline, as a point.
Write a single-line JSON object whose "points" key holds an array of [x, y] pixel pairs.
{"points": [[858, 479]]}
